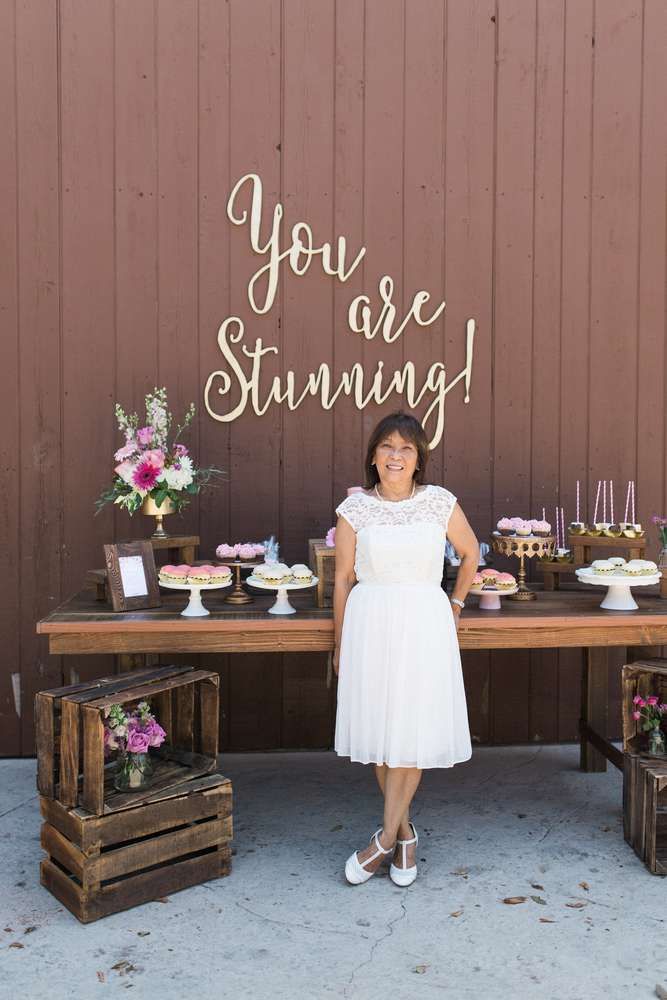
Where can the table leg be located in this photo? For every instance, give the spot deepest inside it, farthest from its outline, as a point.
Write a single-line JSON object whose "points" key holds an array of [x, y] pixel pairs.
{"points": [[594, 707]]}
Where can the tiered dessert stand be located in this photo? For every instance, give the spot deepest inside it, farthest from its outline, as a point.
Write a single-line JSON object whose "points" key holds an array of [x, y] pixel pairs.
{"points": [[195, 607], [523, 547], [282, 605], [619, 595]]}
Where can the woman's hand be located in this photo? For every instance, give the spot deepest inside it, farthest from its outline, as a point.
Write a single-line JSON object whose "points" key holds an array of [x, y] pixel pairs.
{"points": [[457, 615], [334, 661]]}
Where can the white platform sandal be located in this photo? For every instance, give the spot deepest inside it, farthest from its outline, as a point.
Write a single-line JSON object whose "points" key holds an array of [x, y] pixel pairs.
{"points": [[404, 876], [355, 873]]}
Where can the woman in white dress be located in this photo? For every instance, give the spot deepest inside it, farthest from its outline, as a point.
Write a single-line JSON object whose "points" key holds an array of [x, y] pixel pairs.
{"points": [[401, 696]]}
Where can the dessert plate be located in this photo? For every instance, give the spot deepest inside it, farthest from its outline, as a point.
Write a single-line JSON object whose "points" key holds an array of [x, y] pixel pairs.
{"points": [[282, 605]]}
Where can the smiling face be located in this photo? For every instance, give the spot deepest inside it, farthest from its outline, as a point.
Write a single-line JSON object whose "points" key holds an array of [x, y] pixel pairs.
{"points": [[396, 461]]}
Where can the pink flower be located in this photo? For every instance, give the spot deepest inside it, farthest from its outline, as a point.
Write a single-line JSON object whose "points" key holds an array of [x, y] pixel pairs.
{"points": [[137, 741], [331, 538], [146, 475], [156, 457], [128, 449], [636, 715], [156, 734], [637, 698], [180, 450], [652, 700], [145, 436], [640, 701], [109, 741]]}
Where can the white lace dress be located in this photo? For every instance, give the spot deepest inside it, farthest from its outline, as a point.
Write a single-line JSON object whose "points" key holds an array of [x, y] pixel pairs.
{"points": [[401, 697]]}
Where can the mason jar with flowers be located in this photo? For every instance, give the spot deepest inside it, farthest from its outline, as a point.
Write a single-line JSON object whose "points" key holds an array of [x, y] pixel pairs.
{"points": [[132, 734], [649, 712], [154, 474]]}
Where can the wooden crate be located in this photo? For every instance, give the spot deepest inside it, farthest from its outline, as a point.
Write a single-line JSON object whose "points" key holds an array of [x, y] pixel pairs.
{"points": [[97, 865], [642, 677], [48, 710], [186, 703], [645, 810], [322, 561]]}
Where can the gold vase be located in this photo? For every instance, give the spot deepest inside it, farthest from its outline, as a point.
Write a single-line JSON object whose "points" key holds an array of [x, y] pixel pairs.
{"points": [[150, 508]]}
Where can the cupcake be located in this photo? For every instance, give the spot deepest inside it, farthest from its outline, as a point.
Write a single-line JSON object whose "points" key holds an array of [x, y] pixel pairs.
{"points": [[225, 551], [524, 529], [505, 581], [633, 567], [246, 551], [178, 574], [617, 562], [301, 573], [541, 528], [199, 575], [259, 550], [648, 567], [477, 580], [167, 573], [505, 526], [221, 574], [273, 573], [602, 566], [516, 522], [489, 575]]}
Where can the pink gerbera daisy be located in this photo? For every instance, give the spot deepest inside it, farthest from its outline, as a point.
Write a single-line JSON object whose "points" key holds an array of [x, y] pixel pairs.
{"points": [[146, 475]]}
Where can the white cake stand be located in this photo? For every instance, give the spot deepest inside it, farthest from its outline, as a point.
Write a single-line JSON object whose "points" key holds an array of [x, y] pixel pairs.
{"points": [[195, 608], [282, 605], [489, 600], [618, 596]]}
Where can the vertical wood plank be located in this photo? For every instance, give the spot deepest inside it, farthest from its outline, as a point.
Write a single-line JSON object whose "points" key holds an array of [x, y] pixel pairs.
{"points": [[594, 694], [93, 760], [10, 600]]}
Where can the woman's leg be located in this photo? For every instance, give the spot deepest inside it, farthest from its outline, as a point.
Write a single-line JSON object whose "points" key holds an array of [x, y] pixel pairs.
{"points": [[398, 785]]}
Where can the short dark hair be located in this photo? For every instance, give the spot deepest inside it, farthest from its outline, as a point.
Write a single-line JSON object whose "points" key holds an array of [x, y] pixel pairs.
{"points": [[411, 430]]}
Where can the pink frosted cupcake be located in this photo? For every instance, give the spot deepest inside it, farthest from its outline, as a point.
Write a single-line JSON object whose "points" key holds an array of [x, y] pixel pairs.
{"points": [[221, 574], [246, 551], [177, 574], [541, 528], [259, 550], [505, 526], [199, 575], [225, 551], [167, 573], [505, 581], [524, 529], [477, 580], [516, 522], [489, 576]]}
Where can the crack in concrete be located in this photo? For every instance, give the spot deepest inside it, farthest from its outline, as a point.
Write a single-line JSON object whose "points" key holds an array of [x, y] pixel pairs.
{"points": [[390, 930], [19, 806], [319, 929], [508, 770]]}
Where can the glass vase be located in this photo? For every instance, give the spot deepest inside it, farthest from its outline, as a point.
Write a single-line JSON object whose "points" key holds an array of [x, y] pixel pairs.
{"points": [[656, 742], [134, 772]]}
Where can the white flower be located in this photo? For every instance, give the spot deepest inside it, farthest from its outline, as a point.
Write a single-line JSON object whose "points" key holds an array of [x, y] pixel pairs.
{"points": [[178, 478]]}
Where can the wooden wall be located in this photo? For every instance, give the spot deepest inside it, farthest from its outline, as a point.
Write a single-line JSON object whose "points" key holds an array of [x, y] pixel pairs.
{"points": [[508, 155]]}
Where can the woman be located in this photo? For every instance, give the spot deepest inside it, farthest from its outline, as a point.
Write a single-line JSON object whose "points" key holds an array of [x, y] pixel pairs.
{"points": [[401, 698]]}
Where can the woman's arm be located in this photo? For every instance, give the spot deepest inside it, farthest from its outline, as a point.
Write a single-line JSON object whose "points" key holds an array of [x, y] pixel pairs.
{"points": [[344, 580], [463, 539]]}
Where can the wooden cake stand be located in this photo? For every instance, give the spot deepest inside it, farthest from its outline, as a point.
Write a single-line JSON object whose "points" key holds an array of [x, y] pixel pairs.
{"points": [[523, 547]]}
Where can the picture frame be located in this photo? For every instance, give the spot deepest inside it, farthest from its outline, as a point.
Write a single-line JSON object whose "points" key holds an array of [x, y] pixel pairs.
{"points": [[132, 576]]}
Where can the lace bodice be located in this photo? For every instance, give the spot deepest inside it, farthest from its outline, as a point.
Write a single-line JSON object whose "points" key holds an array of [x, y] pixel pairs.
{"points": [[430, 504], [400, 542]]}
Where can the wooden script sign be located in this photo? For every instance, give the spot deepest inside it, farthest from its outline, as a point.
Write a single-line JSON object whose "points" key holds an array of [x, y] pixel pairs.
{"points": [[132, 576], [242, 378]]}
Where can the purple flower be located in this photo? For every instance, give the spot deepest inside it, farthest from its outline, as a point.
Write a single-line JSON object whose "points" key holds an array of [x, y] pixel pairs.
{"points": [[331, 538], [146, 475], [145, 436], [137, 741], [155, 733], [128, 449], [180, 450]]}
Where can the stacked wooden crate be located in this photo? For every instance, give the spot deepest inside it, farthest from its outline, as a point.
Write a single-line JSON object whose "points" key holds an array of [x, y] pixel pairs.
{"points": [[110, 850], [644, 777]]}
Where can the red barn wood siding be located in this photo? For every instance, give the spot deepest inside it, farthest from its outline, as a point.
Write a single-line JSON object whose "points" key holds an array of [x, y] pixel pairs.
{"points": [[482, 149]]}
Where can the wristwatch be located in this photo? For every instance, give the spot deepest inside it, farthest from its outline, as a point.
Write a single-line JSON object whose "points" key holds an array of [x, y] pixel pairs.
{"points": [[455, 600]]}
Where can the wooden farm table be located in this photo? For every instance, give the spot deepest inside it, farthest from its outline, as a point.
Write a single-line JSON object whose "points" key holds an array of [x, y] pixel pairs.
{"points": [[567, 617]]}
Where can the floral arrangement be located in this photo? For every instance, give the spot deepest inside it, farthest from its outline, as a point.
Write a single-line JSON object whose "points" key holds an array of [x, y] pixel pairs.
{"points": [[149, 465], [134, 733], [661, 523], [649, 711]]}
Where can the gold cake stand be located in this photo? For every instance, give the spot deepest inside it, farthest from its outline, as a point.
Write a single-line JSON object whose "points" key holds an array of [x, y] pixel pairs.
{"points": [[523, 547], [238, 595]]}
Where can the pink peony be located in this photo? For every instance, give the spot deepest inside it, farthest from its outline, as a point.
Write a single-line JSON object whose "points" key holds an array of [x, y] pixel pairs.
{"points": [[146, 475], [145, 436], [137, 741], [331, 538], [652, 700], [156, 457], [636, 715]]}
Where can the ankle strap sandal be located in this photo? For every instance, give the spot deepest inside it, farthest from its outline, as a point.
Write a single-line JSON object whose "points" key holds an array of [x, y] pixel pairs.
{"points": [[404, 876], [355, 873]]}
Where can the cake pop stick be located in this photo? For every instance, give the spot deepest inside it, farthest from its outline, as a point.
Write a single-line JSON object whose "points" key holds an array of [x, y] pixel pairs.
{"points": [[577, 501], [611, 500], [633, 502], [627, 503], [604, 501], [562, 528], [544, 514], [597, 498], [557, 531]]}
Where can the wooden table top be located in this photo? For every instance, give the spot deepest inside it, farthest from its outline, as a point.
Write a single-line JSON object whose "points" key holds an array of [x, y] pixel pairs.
{"points": [[568, 617]]}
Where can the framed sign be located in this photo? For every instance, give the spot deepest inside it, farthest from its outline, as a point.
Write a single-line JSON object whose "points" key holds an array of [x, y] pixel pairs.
{"points": [[132, 576]]}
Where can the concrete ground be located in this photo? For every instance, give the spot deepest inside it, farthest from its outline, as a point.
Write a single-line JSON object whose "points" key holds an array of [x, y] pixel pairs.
{"points": [[513, 821]]}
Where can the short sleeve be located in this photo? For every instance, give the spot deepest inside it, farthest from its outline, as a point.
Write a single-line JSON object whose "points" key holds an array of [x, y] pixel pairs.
{"points": [[350, 510], [448, 501]]}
